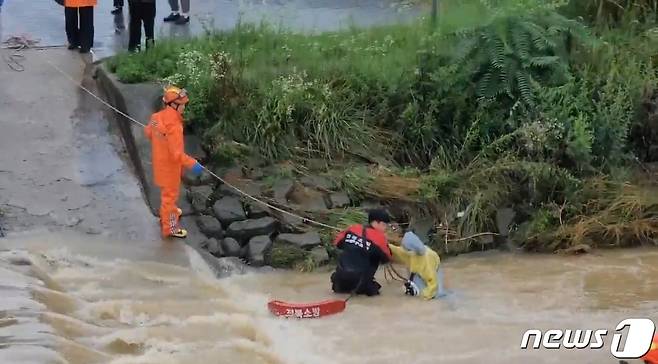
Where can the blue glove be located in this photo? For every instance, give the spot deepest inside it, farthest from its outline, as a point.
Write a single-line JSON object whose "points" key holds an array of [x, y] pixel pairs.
{"points": [[197, 169]]}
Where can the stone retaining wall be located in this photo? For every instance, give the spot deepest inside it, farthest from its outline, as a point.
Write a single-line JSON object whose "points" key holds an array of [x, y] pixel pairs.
{"points": [[219, 220], [223, 223]]}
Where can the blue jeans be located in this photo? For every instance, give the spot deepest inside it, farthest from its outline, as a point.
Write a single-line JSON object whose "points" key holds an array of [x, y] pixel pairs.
{"points": [[1, 1], [420, 283]]}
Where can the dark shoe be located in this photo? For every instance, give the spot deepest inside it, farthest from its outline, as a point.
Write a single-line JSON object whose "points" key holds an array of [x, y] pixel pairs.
{"points": [[135, 49], [117, 10], [85, 50], [72, 47], [149, 43], [172, 17], [183, 20]]}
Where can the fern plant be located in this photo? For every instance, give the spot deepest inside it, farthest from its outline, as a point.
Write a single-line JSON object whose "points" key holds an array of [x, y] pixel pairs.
{"points": [[515, 52], [615, 13]]}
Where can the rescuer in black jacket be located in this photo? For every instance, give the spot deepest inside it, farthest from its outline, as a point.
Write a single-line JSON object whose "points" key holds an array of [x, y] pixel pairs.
{"points": [[363, 249]]}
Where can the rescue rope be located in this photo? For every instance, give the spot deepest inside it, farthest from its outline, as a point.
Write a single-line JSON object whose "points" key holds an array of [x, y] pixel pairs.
{"points": [[270, 206], [14, 60], [305, 220], [94, 95], [471, 237], [387, 275], [393, 273], [19, 44]]}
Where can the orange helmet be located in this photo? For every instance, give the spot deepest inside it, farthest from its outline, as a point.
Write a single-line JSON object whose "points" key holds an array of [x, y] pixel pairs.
{"points": [[176, 95]]}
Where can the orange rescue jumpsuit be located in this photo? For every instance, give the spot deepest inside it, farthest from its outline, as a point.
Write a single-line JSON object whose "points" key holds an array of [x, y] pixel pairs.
{"points": [[168, 153]]}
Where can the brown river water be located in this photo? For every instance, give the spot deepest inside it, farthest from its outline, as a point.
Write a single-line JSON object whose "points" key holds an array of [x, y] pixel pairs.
{"points": [[80, 299]]}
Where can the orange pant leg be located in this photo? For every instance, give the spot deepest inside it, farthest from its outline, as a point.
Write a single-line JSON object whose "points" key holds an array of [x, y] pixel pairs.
{"points": [[168, 210]]}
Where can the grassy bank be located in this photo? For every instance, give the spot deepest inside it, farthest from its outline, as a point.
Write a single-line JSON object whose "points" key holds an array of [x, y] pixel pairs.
{"points": [[504, 103]]}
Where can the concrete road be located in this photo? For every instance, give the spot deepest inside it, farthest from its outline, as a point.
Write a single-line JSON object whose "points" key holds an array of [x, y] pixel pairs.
{"points": [[44, 19], [60, 166]]}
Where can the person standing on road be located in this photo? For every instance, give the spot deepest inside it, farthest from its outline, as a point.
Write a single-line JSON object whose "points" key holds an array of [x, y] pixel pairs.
{"points": [[79, 17], [176, 16], [118, 7], [165, 131], [141, 12]]}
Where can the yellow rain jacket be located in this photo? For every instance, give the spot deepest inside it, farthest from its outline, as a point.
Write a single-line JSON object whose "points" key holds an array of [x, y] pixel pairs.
{"points": [[420, 260]]}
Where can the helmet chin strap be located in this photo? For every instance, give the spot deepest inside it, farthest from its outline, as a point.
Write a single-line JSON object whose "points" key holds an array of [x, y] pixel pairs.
{"points": [[171, 104]]}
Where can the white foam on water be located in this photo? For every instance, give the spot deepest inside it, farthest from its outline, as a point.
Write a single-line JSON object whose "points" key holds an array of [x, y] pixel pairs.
{"points": [[292, 342], [246, 332], [146, 312], [198, 265]]}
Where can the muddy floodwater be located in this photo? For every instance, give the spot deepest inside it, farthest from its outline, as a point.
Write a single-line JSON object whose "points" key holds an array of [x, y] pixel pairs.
{"points": [[79, 299]]}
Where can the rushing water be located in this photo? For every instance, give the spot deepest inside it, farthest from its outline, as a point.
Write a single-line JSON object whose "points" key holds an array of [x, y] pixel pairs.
{"points": [[81, 300]]}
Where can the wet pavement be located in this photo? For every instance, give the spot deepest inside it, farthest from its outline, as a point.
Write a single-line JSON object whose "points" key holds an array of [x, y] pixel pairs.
{"points": [[61, 167], [66, 169], [44, 19]]}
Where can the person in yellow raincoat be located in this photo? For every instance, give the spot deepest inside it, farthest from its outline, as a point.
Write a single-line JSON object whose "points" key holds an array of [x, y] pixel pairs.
{"points": [[426, 278]]}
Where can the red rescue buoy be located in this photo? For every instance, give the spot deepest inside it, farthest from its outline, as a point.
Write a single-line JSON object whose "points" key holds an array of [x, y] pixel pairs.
{"points": [[306, 310]]}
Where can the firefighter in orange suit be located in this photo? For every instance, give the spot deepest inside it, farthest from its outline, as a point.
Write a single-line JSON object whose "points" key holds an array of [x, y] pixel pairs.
{"points": [[79, 18], [165, 131]]}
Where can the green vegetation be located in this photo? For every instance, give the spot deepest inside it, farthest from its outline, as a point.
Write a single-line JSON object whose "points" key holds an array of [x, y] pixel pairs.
{"points": [[504, 102], [286, 256], [290, 256]]}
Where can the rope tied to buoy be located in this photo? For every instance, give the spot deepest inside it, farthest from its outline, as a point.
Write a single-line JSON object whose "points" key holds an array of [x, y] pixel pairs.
{"points": [[391, 274], [241, 192], [305, 220]]}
